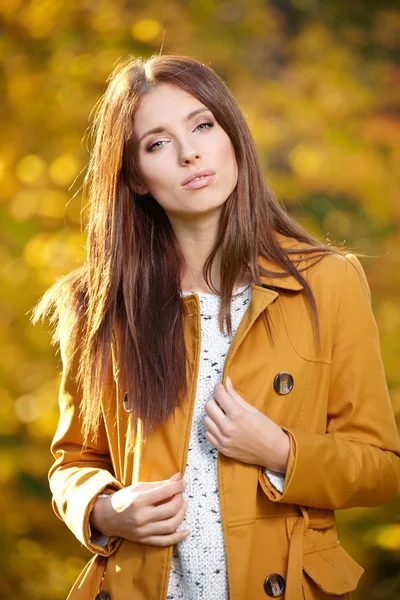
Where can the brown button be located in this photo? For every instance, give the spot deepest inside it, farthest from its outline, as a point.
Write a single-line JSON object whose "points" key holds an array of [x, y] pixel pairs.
{"points": [[103, 595], [274, 585], [283, 383]]}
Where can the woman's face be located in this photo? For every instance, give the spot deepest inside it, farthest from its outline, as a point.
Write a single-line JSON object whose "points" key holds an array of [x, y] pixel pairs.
{"points": [[168, 157]]}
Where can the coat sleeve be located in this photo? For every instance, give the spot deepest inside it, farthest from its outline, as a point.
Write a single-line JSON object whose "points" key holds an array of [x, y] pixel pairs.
{"points": [[356, 462], [79, 472]]}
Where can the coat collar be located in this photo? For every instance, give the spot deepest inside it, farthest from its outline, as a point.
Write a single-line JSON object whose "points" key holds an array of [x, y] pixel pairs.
{"points": [[287, 281]]}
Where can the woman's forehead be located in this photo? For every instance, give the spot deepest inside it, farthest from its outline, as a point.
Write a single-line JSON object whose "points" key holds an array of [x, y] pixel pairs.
{"points": [[163, 106]]}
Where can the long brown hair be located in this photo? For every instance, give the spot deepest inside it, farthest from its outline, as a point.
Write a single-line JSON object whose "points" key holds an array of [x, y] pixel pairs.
{"points": [[130, 280]]}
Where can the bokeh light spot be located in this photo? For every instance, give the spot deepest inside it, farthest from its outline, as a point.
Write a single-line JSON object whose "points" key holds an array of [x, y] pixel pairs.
{"points": [[305, 160], [30, 168], [64, 169], [27, 408], [146, 30]]}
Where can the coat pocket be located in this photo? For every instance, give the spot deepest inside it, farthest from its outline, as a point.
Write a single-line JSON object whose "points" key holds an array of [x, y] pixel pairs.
{"points": [[329, 571]]}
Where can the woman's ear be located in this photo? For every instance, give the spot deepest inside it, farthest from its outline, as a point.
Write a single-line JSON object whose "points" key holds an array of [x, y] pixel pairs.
{"points": [[140, 189]]}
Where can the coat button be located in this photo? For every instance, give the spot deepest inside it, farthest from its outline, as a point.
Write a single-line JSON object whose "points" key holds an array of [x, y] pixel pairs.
{"points": [[283, 383], [103, 595], [274, 585]]}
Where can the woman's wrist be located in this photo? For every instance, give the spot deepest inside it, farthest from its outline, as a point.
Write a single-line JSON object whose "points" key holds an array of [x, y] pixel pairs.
{"points": [[278, 458], [284, 452], [99, 516]]}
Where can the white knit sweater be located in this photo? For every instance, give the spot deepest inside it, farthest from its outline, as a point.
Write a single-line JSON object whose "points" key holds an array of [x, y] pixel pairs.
{"points": [[198, 569]]}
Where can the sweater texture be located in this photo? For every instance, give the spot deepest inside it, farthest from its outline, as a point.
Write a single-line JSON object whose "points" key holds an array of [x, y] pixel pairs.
{"points": [[198, 569]]}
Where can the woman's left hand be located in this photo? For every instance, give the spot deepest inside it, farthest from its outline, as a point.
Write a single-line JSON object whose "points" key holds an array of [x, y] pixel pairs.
{"points": [[240, 431]]}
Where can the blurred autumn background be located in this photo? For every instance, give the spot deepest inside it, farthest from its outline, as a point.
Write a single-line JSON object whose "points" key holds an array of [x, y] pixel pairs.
{"points": [[318, 83]]}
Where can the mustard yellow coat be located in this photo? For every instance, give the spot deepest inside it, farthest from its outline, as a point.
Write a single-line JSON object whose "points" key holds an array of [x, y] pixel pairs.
{"points": [[344, 446]]}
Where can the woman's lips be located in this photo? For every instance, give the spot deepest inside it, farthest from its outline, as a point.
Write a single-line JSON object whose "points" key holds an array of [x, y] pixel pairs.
{"points": [[201, 182]]}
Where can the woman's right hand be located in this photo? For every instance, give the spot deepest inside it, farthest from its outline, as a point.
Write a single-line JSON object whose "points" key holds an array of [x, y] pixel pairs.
{"points": [[146, 512]]}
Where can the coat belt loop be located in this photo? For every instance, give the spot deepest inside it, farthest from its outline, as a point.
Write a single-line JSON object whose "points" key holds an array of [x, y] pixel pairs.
{"points": [[294, 574], [306, 522]]}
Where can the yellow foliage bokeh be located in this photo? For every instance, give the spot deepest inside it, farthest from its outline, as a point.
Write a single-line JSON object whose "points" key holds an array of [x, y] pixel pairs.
{"points": [[318, 85]]}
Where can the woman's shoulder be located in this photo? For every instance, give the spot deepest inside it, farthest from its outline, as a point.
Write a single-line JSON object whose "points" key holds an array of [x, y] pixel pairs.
{"points": [[325, 267]]}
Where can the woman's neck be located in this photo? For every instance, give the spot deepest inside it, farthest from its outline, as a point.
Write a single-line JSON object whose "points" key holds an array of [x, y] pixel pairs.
{"points": [[197, 239], [203, 288]]}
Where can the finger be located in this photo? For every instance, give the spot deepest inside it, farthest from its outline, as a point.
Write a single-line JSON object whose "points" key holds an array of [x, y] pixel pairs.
{"points": [[210, 438], [175, 508], [229, 385], [152, 484], [166, 540], [222, 398], [163, 526], [215, 411], [212, 427], [231, 390], [236, 396], [165, 508], [161, 492]]}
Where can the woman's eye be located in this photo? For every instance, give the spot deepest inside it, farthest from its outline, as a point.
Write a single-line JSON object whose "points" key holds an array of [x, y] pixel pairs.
{"points": [[201, 124], [150, 148], [209, 125]]}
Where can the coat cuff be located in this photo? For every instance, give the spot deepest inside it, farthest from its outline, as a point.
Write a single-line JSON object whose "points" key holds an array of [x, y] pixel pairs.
{"points": [[95, 536], [94, 540], [274, 484], [80, 505], [105, 546]]}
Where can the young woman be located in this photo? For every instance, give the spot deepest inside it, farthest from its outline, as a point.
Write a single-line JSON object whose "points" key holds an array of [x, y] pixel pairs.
{"points": [[221, 368]]}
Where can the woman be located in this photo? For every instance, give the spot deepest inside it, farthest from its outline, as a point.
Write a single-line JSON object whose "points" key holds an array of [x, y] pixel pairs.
{"points": [[208, 336]]}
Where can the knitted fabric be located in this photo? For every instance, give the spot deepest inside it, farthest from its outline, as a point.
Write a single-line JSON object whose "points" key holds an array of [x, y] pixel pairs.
{"points": [[198, 569]]}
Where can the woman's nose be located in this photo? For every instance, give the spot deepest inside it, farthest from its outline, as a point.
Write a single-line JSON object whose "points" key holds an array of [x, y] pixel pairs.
{"points": [[189, 155]]}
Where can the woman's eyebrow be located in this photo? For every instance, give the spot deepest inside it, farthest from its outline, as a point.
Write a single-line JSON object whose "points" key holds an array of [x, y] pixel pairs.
{"points": [[162, 128]]}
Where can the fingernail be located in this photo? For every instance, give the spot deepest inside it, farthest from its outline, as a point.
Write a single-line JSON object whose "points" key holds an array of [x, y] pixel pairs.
{"points": [[176, 475], [184, 535], [184, 484]]}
